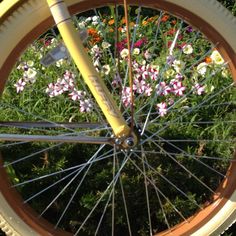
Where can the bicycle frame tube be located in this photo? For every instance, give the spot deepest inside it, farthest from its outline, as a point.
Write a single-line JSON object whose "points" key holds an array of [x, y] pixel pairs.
{"points": [[95, 83]]}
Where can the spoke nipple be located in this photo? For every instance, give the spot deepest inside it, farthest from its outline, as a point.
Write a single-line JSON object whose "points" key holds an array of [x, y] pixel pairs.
{"points": [[118, 141], [129, 142]]}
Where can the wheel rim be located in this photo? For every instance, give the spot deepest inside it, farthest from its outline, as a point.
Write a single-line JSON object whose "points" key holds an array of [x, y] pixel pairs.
{"points": [[230, 187]]}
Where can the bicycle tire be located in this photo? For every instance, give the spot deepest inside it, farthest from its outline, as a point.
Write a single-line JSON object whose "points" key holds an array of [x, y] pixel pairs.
{"points": [[31, 18]]}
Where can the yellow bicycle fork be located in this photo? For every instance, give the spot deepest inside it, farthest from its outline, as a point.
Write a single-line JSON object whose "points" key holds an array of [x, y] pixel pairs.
{"points": [[95, 83]]}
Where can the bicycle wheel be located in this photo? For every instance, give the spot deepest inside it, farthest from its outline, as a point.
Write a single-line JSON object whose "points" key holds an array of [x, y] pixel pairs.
{"points": [[63, 173]]}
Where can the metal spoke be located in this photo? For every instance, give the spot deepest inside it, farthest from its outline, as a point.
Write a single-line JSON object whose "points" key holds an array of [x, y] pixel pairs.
{"points": [[193, 156], [194, 140], [183, 167], [62, 191], [73, 195], [189, 111], [32, 155], [103, 194], [199, 157], [90, 161], [146, 191], [159, 191], [170, 182], [124, 202]]}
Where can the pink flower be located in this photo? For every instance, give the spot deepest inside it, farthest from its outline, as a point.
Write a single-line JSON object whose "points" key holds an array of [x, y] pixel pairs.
{"points": [[162, 108], [20, 85], [58, 89], [162, 89], [77, 95], [86, 105], [153, 73], [117, 82], [126, 96], [50, 90], [148, 90], [199, 89], [143, 71], [139, 86], [178, 88], [68, 75]]}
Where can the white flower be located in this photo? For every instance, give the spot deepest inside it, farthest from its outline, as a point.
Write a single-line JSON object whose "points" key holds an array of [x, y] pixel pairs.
{"points": [[136, 51], [106, 69], [147, 55], [225, 72], [88, 19], [187, 49], [124, 53], [105, 45], [144, 62], [30, 63], [30, 75], [60, 63], [95, 23], [216, 58], [202, 68], [95, 18], [97, 63], [96, 51], [21, 66], [178, 65], [123, 30], [82, 24]]}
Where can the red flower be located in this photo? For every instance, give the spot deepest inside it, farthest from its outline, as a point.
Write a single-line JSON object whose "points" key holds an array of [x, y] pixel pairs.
{"points": [[140, 42]]}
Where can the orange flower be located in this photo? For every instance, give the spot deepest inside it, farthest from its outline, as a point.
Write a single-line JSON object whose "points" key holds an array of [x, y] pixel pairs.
{"points": [[151, 19], [92, 31], [173, 22], [111, 22], [208, 60], [165, 18], [111, 30], [144, 23], [123, 21], [95, 37], [120, 29], [170, 32]]}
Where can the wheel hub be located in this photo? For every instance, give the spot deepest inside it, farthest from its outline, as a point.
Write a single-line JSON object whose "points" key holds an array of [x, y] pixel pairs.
{"points": [[127, 143]]}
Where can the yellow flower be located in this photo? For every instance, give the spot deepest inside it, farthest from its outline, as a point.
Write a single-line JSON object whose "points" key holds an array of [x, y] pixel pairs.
{"points": [[216, 58], [132, 24], [136, 51]]}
